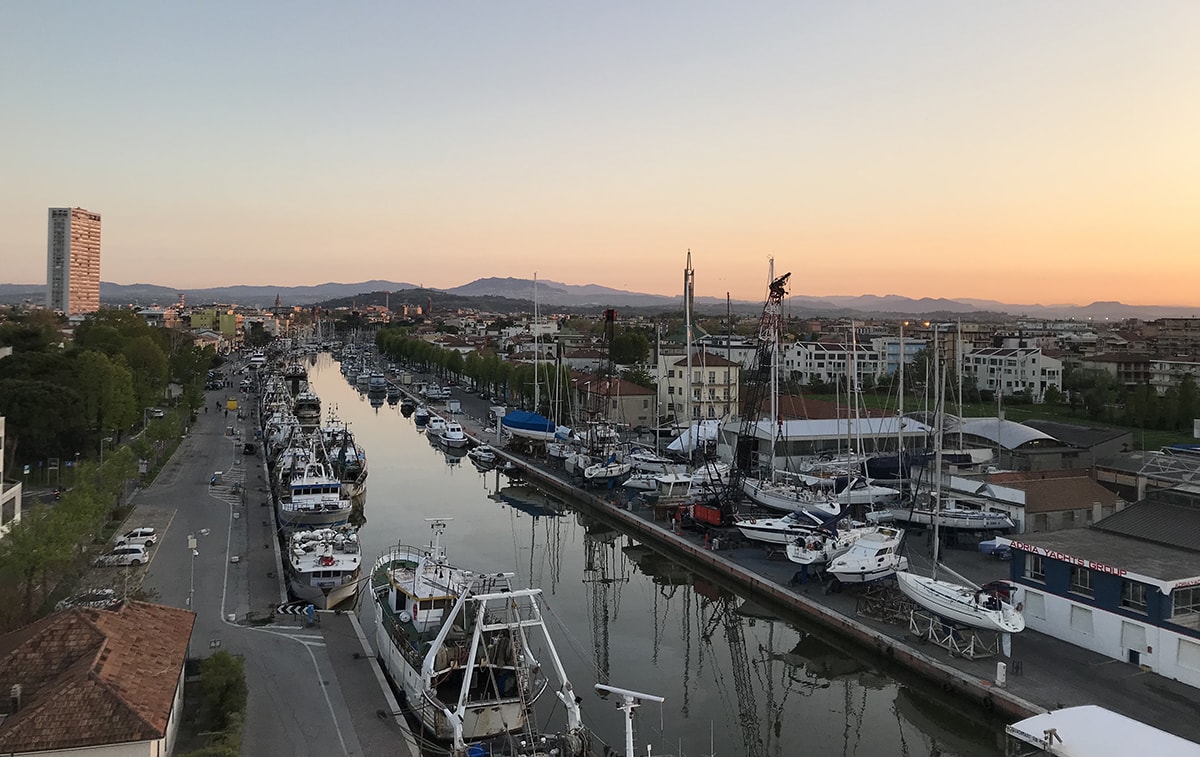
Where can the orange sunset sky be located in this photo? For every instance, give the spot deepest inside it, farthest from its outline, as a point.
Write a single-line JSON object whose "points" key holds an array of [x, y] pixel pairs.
{"points": [[1025, 152]]}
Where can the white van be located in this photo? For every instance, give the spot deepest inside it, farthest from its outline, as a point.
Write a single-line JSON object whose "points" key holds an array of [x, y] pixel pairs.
{"points": [[128, 554], [143, 536]]}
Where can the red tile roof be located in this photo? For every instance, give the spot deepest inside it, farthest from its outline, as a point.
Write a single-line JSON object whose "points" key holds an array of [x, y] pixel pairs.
{"points": [[703, 359], [92, 677]]}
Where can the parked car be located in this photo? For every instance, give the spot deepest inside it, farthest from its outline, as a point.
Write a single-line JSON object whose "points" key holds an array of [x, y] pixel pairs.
{"points": [[144, 536], [129, 554], [995, 548], [157, 412], [249, 448]]}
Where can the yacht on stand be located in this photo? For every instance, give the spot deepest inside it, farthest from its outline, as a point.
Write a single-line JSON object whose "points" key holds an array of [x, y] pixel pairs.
{"points": [[324, 566], [458, 643], [799, 523], [826, 544], [872, 557], [951, 515]]}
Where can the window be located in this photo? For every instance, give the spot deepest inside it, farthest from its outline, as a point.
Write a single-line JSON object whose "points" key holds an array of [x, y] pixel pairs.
{"points": [[645, 404], [1081, 581], [670, 390], [1133, 596], [671, 373], [712, 377], [1035, 568], [1185, 602]]}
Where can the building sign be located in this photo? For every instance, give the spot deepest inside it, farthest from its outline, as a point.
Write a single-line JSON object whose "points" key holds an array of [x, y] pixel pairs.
{"points": [[1165, 586]]}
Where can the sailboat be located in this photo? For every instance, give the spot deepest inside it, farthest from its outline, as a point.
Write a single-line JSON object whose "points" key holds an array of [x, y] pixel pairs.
{"points": [[988, 607]]}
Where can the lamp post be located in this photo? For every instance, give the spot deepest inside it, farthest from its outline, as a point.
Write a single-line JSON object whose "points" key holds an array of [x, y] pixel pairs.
{"points": [[191, 542], [108, 440]]}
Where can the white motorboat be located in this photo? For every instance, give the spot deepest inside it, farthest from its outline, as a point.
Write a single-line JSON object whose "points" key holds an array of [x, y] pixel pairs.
{"points": [[874, 556], [324, 566], [454, 436], [436, 425], [460, 645], [988, 607], [782, 530], [483, 455], [307, 409], [421, 416], [825, 545], [647, 461]]}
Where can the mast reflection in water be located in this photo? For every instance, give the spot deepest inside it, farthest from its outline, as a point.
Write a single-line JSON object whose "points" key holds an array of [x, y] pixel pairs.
{"points": [[737, 680]]}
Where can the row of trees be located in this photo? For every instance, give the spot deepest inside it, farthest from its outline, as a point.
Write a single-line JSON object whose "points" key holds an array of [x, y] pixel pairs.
{"points": [[63, 400]]}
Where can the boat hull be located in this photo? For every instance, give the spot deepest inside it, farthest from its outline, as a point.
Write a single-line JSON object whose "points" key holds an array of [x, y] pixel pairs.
{"points": [[958, 604]]}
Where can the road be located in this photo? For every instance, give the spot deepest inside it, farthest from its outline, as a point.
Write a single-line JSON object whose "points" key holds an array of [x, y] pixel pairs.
{"points": [[296, 705]]}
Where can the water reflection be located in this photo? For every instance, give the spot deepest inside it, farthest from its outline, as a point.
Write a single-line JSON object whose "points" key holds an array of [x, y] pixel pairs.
{"points": [[737, 678]]}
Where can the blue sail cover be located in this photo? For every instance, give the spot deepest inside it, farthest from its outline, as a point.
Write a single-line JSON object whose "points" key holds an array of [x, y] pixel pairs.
{"points": [[531, 425]]}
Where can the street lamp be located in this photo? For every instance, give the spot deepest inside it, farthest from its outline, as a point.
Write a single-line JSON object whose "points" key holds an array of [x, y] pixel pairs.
{"points": [[191, 542], [108, 440]]}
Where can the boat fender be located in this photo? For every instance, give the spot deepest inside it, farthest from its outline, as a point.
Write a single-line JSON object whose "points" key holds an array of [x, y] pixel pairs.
{"points": [[404, 616], [1020, 606], [989, 704], [947, 686]]}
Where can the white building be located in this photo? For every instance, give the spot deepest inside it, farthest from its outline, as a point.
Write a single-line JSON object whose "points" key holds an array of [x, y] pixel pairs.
{"points": [[830, 362], [713, 384], [1011, 370]]}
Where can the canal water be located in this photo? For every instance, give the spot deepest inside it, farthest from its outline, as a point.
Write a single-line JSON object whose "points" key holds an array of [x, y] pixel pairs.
{"points": [[737, 680]]}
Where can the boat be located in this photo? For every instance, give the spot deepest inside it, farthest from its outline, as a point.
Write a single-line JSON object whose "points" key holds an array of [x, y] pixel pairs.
{"points": [[607, 471], [483, 455], [459, 645], [1093, 731], [533, 426], [780, 530], [874, 556], [789, 498], [324, 566], [825, 545], [987, 607], [421, 416], [952, 515], [436, 425], [454, 436], [309, 495], [307, 409], [377, 383], [393, 392]]}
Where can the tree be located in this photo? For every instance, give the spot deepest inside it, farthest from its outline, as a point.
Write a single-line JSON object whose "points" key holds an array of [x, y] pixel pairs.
{"points": [[148, 370], [223, 683], [629, 347], [638, 376], [257, 337]]}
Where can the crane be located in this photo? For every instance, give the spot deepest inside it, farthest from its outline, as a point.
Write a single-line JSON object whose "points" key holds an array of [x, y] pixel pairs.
{"points": [[719, 511]]}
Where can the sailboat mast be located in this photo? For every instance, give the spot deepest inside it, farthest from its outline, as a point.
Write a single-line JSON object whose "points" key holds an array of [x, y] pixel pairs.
{"points": [[688, 290], [774, 348], [939, 422], [900, 404], [537, 394]]}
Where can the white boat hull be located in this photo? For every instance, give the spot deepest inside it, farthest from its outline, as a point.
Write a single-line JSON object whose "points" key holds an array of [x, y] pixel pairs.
{"points": [[961, 604], [862, 574]]}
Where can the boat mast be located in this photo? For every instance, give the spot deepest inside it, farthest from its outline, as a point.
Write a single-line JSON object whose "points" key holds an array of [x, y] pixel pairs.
{"points": [[689, 283], [939, 421], [774, 350], [900, 405], [537, 394]]}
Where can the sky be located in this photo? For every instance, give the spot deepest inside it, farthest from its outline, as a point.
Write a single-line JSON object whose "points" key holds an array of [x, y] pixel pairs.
{"points": [[1026, 152]]}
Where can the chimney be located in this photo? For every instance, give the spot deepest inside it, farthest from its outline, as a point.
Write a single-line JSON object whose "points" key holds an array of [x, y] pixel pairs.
{"points": [[14, 698]]}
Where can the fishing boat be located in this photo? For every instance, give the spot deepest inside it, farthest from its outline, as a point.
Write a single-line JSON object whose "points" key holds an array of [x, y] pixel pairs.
{"points": [[780, 530], [323, 566], [309, 495], [874, 556], [307, 409], [461, 645], [421, 417]]}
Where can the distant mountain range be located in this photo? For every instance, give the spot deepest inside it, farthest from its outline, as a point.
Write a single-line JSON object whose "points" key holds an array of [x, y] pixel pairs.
{"points": [[519, 294]]}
